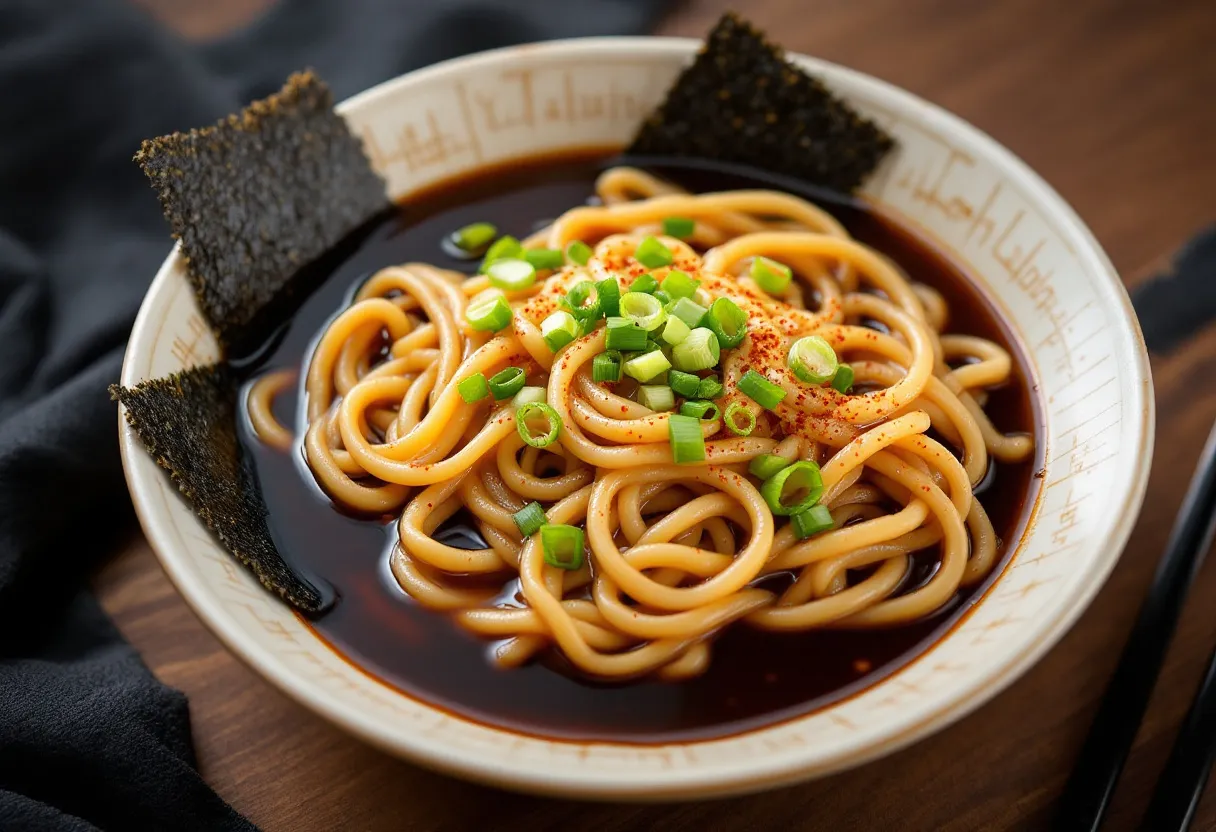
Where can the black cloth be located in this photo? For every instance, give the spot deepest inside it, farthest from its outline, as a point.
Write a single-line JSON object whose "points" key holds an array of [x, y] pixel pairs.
{"points": [[88, 738]]}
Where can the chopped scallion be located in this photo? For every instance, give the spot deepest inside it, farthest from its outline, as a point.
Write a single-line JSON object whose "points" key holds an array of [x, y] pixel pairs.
{"points": [[657, 397], [698, 351], [814, 520], [644, 310], [583, 301], [489, 315], [506, 384], [760, 390], [545, 258], [647, 366], [843, 380], [606, 366], [474, 388], [559, 329], [609, 292], [579, 252], [705, 411], [474, 237], [623, 334], [563, 546], [688, 311], [652, 254], [646, 284], [527, 395], [710, 388], [679, 284], [684, 384], [675, 331], [511, 274], [503, 247], [770, 275], [739, 419], [528, 415], [687, 442], [793, 489], [765, 465], [812, 359], [530, 518], [728, 322], [680, 227]]}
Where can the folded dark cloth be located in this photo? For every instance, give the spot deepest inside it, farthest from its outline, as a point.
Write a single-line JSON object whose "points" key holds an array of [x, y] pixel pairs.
{"points": [[1172, 306], [88, 738]]}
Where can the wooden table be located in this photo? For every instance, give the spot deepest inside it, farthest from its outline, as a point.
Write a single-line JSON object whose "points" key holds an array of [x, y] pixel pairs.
{"points": [[1114, 103]]}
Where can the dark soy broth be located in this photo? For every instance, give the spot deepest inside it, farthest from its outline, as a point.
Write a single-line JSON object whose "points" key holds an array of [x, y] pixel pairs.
{"points": [[755, 678]]}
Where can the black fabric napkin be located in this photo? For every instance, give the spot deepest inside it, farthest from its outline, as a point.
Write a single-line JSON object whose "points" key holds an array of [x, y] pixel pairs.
{"points": [[88, 738]]}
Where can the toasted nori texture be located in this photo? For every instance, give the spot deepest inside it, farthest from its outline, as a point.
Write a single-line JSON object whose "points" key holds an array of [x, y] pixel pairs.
{"points": [[259, 195], [742, 102], [187, 421]]}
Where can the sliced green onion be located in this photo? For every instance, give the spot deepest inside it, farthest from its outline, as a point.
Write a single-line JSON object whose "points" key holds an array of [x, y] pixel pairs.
{"points": [[530, 518], [699, 351], [647, 366], [685, 384], [760, 390], [533, 411], [728, 322], [646, 284], [687, 442], [643, 310], [506, 384], [812, 521], [545, 258], [688, 311], [662, 297], [793, 489], [770, 275], [506, 246], [623, 334], [606, 366], [843, 380], [703, 298], [679, 284], [812, 359], [489, 315], [511, 274], [579, 252], [583, 301], [474, 237], [675, 331], [705, 411], [474, 388], [562, 546], [680, 227], [528, 395], [609, 292], [559, 329], [765, 465], [652, 254], [657, 397], [736, 412], [710, 388]]}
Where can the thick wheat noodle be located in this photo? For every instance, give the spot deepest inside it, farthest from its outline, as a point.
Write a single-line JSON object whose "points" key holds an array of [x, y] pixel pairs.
{"points": [[675, 553]]}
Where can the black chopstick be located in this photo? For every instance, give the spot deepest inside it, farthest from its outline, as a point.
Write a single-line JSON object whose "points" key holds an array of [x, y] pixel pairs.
{"points": [[1185, 775], [1088, 791]]}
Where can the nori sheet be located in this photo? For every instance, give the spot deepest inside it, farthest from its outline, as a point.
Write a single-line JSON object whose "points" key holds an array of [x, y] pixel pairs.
{"points": [[742, 102], [187, 422], [258, 196]]}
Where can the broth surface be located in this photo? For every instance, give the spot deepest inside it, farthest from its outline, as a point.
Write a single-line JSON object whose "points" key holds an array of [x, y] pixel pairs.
{"points": [[755, 678]]}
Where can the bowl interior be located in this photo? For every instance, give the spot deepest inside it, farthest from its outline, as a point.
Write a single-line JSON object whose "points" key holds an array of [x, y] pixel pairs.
{"points": [[1032, 255]]}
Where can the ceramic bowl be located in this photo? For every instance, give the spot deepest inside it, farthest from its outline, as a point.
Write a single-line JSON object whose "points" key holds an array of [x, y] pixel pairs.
{"points": [[1034, 257]]}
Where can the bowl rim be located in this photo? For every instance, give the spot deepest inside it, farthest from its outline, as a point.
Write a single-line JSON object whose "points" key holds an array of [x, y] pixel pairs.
{"points": [[694, 780]]}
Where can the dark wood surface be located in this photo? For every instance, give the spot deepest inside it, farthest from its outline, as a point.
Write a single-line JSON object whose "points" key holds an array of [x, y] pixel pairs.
{"points": [[1114, 103]]}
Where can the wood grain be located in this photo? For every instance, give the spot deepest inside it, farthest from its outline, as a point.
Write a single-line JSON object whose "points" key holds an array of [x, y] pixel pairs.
{"points": [[1112, 102]]}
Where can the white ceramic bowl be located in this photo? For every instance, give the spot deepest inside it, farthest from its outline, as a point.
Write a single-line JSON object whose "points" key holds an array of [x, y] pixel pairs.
{"points": [[1033, 255]]}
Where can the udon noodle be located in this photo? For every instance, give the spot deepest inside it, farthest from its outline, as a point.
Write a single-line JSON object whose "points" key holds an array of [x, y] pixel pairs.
{"points": [[675, 553]]}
